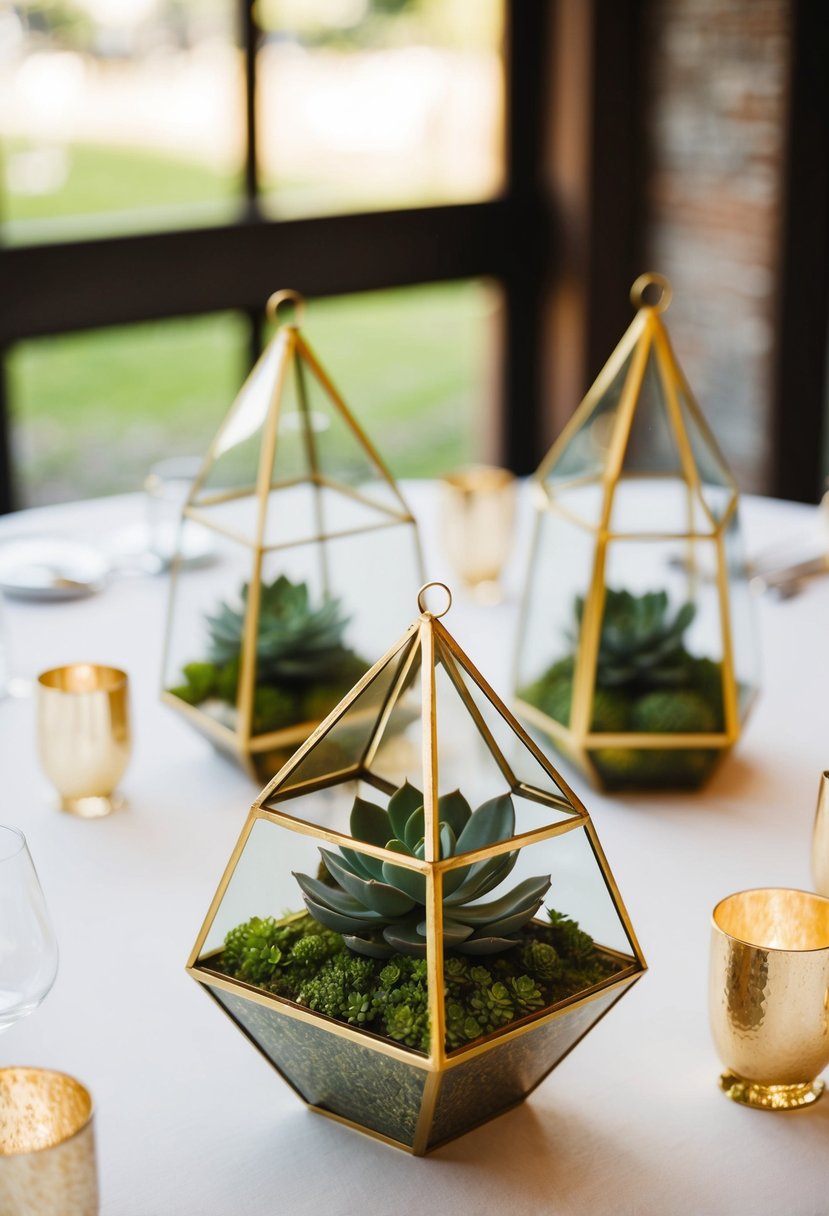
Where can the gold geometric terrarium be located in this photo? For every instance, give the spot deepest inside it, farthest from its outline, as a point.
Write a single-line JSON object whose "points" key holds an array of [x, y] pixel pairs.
{"points": [[636, 651], [461, 931], [319, 554]]}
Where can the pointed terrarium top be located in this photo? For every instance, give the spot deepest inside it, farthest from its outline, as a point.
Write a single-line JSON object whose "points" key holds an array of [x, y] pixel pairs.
{"points": [[423, 715], [289, 430], [639, 422]]}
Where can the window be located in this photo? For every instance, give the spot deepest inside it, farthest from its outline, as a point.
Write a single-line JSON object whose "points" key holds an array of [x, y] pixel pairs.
{"points": [[171, 160]]}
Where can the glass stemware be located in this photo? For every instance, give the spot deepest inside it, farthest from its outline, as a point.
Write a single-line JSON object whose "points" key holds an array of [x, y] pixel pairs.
{"points": [[28, 949]]}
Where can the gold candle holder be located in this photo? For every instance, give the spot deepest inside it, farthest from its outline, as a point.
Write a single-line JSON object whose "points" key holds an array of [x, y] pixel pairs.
{"points": [[769, 980], [820, 839], [47, 1145], [84, 736], [477, 520]]}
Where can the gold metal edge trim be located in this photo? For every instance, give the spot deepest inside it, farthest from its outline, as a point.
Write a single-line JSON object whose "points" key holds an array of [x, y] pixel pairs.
{"points": [[360, 1127], [384, 1046], [667, 741], [594, 394], [281, 777], [459, 861], [434, 882], [431, 1091], [331, 390], [509, 717], [299, 1013], [622, 981]]}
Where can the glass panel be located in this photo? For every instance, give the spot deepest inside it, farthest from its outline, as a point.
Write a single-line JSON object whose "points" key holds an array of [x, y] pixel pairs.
{"points": [[418, 369], [494, 1080], [658, 505], [541, 937], [334, 1073], [574, 480], [652, 445], [119, 117], [502, 750], [717, 485], [743, 626], [196, 669], [145, 392], [560, 571], [375, 105]]}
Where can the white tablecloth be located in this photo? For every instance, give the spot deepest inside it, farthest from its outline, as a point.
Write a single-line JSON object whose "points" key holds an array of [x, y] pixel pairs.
{"points": [[192, 1122]]}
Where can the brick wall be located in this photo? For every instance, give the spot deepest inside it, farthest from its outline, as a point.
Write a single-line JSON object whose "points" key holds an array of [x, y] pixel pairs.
{"points": [[717, 89]]}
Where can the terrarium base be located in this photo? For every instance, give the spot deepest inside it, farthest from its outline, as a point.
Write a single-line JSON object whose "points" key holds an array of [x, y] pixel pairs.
{"points": [[770, 1097], [623, 769]]}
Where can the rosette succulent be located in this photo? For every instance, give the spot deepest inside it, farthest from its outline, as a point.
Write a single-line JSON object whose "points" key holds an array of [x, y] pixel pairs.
{"points": [[640, 642], [379, 907], [295, 640], [302, 667]]}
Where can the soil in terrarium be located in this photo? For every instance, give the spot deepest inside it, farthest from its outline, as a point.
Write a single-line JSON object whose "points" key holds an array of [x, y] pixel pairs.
{"points": [[303, 668], [647, 682]]}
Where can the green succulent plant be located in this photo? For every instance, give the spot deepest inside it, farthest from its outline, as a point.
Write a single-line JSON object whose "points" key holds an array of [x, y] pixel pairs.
{"points": [[379, 907], [302, 667], [295, 640], [301, 960], [640, 642]]}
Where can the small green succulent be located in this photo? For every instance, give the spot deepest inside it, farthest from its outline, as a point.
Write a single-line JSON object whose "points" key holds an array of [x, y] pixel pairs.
{"points": [[640, 642], [295, 640], [379, 907], [302, 667], [299, 959]]}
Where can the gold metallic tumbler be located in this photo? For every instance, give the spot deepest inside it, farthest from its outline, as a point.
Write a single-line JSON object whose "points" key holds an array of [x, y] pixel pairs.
{"points": [[477, 516], [47, 1145], [820, 839], [84, 735], [769, 996]]}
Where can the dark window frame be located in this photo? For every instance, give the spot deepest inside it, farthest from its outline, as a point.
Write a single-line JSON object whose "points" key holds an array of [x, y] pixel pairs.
{"points": [[71, 286], [564, 240]]}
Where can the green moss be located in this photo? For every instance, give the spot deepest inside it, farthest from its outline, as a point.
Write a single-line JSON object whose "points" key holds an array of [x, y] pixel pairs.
{"points": [[706, 678], [610, 710], [318, 700], [298, 959], [646, 683], [273, 709], [678, 711], [201, 680]]}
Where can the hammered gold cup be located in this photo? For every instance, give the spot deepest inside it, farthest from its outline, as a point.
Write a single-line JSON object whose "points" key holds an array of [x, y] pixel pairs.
{"points": [[84, 739], [769, 996], [477, 520], [47, 1145]]}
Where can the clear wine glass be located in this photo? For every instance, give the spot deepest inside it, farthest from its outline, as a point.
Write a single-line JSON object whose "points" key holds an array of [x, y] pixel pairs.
{"points": [[28, 949]]}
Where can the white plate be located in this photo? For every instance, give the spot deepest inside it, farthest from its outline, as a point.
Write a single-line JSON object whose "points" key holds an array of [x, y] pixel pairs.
{"points": [[50, 568]]}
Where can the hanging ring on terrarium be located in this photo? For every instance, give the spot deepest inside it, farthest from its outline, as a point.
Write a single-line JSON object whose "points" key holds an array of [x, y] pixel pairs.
{"points": [[421, 599], [651, 279], [286, 296]]}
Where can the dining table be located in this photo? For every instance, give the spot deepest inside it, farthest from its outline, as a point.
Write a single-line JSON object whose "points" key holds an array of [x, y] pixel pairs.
{"points": [[191, 1121]]}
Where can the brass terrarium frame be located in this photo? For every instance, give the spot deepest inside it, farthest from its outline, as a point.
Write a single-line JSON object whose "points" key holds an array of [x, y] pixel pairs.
{"points": [[292, 350], [645, 339], [264, 1017]]}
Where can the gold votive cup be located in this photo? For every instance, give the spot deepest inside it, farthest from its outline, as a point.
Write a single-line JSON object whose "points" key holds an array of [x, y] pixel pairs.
{"points": [[84, 738], [769, 996], [47, 1145], [477, 520], [820, 839]]}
